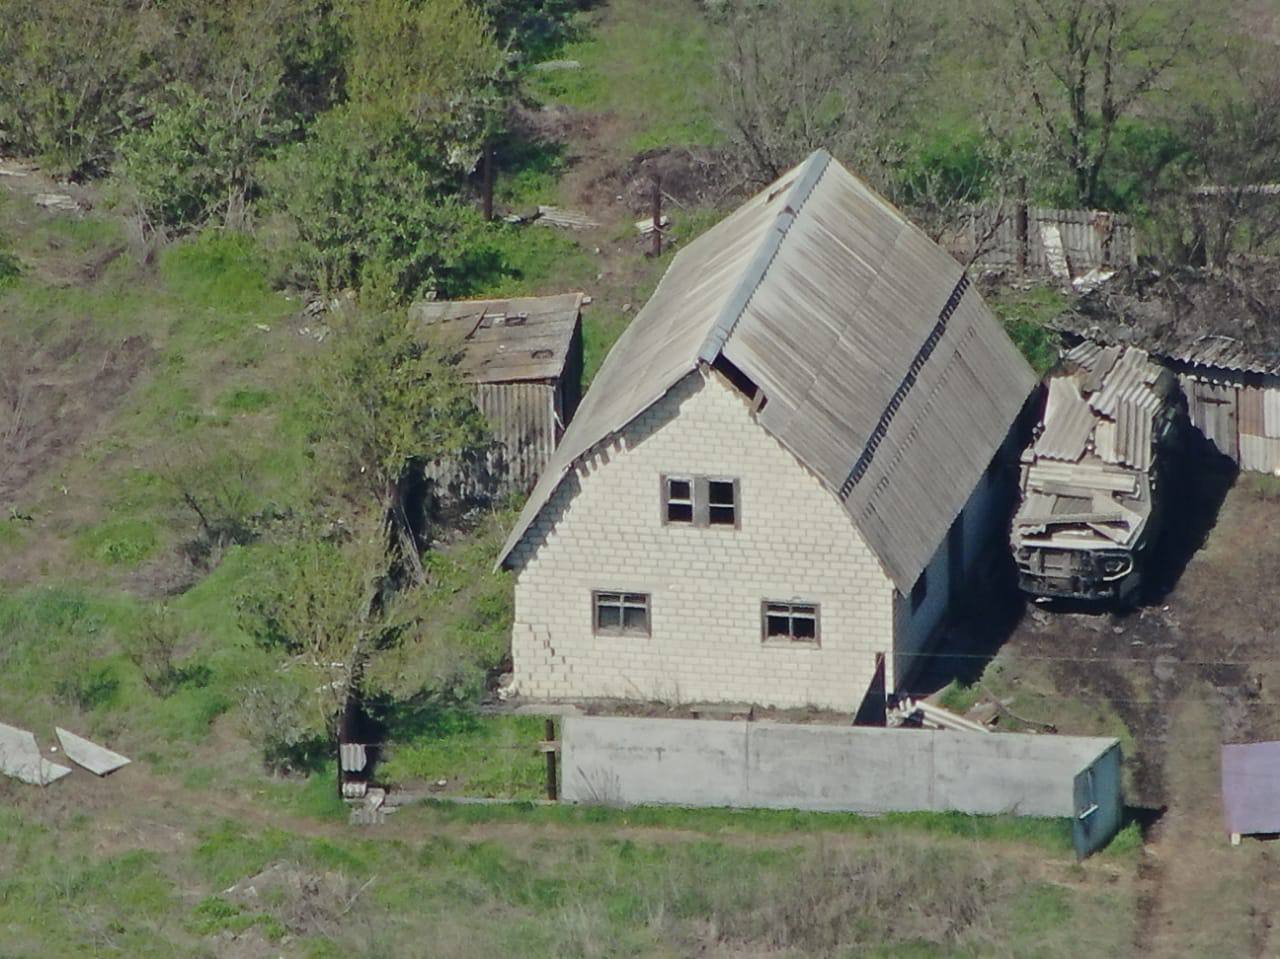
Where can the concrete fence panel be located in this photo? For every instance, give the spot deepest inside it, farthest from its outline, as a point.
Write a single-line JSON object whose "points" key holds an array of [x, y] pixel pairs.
{"points": [[627, 761]]}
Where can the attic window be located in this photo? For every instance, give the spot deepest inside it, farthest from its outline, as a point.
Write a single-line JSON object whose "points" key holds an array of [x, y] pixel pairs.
{"points": [[700, 501], [678, 499], [542, 354], [790, 622], [722, 502]]}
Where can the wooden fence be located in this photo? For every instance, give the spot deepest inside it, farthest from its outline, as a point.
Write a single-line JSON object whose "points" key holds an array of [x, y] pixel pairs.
{"points": [[1061, 243]]}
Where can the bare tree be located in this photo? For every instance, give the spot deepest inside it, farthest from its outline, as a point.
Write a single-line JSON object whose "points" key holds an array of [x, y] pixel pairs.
{"points": [[1082, 66], [1233, 176], [802, 74]]}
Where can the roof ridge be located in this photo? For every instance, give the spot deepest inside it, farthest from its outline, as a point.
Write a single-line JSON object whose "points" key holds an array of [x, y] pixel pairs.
{"points": [[810, 173]]}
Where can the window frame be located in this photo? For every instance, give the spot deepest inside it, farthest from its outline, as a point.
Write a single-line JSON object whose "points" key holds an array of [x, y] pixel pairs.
{"points": [[791, 640], [699, 500], [622, 605], [666, 500]]}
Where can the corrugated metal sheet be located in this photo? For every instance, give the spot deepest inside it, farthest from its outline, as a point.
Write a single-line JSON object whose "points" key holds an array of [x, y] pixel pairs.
{"points": [[1271, 412], [1249, 407], [1251, 787], [522, 417], [526, 338], [1068, 422], [1212, 410], [1259, 453], [862, 335]]}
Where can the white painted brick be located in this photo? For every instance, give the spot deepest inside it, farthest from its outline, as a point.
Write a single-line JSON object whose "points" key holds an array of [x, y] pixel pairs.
{"points": [[706, 586]]}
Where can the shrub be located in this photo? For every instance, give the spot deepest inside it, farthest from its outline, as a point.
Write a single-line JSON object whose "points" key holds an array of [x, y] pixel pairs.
{"points": [[151, 646]]}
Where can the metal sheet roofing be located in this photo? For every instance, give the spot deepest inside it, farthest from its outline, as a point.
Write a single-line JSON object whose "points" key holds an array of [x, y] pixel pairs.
{"points": [[884, 374], [502, 341], [1251, 787]]}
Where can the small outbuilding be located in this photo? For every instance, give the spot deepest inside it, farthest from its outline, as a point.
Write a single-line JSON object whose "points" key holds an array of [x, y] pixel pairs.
{"points": [[524, 357], [1220, 334], [1251, 789]]}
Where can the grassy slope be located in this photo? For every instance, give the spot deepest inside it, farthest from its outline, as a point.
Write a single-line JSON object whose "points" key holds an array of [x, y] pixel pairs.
{"points": [[101, 873]]}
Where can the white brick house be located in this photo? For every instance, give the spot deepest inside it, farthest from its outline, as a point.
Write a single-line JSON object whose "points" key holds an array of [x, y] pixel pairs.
{"points": [[780, 474]]}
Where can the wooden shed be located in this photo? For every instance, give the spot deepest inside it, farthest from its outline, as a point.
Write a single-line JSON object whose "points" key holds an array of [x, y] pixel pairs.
{"points": [[524, 357]]}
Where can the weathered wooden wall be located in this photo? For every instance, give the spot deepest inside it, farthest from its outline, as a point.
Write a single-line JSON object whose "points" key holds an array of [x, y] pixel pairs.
{"points": [[1090, 239]]}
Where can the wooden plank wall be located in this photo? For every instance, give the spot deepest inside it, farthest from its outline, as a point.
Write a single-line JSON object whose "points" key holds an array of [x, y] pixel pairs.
{"points": [[1090, 238]]}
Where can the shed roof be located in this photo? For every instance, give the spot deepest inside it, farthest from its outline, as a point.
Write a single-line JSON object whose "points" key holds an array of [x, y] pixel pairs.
{"points": [[503, 341], [1251, 787], [884, 373]]}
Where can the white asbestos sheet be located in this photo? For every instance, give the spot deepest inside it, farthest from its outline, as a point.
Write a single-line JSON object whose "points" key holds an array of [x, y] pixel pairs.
{"points": [[97, 759], [20, 758]]}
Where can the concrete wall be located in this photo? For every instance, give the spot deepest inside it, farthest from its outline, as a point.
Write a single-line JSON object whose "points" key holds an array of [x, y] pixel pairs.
{"points": [[603, 530], [1099, 810], [832, 768]]}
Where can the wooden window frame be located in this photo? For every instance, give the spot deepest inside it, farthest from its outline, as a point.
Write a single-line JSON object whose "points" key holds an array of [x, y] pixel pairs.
{"points": [[790, 640], [665, 500], [622, 605], [699, 500]]}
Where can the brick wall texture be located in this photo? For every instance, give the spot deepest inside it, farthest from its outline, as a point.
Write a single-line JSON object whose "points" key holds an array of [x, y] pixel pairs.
{"points": [[603, 530]]}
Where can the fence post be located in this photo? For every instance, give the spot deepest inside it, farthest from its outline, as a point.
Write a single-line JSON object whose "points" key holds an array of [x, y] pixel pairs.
{"points": [[486, 188], [1022, 227], [553, 792], [657, 215]]}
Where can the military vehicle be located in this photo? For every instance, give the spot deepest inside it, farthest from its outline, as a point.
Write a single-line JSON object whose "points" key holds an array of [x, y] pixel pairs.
{"points": [[1091, 493]]}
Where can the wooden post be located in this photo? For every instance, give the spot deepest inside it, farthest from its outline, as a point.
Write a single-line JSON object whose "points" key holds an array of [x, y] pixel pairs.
{"points": [[553, 792], [1022, 227], [486, 188], [657, 215]]}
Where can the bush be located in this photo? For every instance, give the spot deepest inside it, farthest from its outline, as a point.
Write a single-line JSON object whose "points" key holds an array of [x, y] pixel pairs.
{"points": [[369, 205], [73, 76], [182, 166], [151, 645]]}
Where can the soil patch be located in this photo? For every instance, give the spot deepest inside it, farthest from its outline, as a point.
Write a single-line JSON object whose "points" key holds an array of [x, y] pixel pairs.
{"points": [[52, 398]]}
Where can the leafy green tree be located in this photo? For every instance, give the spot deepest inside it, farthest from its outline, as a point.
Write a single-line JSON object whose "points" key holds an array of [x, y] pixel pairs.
{"points": [[250, 78], [367, 204], [390, 403], [74, 76]]}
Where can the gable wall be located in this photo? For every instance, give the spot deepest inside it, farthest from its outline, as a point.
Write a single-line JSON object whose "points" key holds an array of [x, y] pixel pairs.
{"points": [[603, 529]]}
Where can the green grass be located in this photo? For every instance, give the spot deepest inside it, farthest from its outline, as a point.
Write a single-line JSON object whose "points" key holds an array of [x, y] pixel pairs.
{"points": [[649, 64], [959, 697], [477, 755], [534, 260], [542, 893], [1024, 314], [125, 542]]}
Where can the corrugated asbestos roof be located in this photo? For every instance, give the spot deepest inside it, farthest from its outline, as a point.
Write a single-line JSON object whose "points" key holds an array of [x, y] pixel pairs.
{"points": [[884, 374], [503, 341]]}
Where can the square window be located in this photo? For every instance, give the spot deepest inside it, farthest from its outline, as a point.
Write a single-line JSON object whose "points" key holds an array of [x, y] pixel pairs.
{"points": [[722, 502], [621, 613], [791, 622], [679, 500]]}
